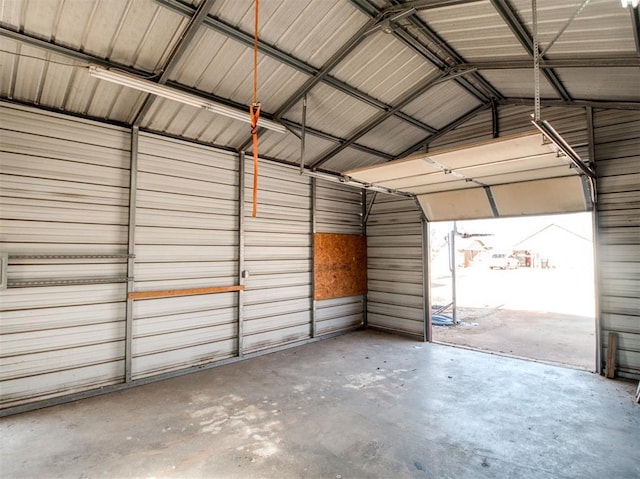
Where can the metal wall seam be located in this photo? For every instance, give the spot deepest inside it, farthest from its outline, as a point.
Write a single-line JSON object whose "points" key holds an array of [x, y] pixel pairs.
{"points": [[131, 245]]}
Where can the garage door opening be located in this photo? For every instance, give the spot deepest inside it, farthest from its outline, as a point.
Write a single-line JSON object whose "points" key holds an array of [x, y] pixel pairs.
{"points": [[521, 286]]}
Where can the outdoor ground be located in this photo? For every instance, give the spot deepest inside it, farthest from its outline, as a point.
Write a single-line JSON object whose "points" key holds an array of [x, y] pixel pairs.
{"points": [[541, 314]]}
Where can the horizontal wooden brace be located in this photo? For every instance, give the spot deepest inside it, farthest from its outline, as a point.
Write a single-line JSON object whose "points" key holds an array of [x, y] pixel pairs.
{"points": [[184, 292]]}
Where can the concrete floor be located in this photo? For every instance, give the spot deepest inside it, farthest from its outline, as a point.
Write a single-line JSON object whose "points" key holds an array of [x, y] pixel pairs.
{"points": [[364, 405]]}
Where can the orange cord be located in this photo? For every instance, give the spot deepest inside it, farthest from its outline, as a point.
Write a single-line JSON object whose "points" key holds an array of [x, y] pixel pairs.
{"points": [[254, 112]]}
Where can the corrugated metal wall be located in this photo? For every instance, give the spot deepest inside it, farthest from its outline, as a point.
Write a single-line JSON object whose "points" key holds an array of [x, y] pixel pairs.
{"points": [[395, 301], [338, 209], [617, 153], [64, 187], [65, 205], [186, 237], [278, 300]]}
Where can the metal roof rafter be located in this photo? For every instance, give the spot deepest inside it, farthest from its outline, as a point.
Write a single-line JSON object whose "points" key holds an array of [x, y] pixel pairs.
{"points": [[635, 20], [291, 61], [176, 55], [516, 25], [91, 59], [483, 94], [377, 120], [454, 124]]}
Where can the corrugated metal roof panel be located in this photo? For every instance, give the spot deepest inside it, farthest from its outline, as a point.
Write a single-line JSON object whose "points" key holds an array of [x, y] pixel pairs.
{"points": [[383, 67], [392, 136], [287, 147], [332, 111], [475, 31], [518, 83], [602, 27], [225, 67], [615, 84], [350, 158], [441, 104], [297, 28]]}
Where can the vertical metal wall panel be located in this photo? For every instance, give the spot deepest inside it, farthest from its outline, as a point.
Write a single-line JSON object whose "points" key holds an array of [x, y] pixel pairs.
{"points": [[186, 237], [617, 152], [64, 191], [278, 300], [339, 210], [395, 266]]}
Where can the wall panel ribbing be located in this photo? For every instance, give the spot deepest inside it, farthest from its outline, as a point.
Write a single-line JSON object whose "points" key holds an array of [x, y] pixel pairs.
{"points": [[617, 151], [64, 197], [186, 237], [338, 210], [395, 266], [277, 301]]}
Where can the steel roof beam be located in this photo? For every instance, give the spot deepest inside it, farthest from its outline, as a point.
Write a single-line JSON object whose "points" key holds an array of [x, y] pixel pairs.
{"points": [[446, 129], [515, 24], [485, 94], [91, 59], [426, 5], [489, 90], [374, 122], [614, 105], [595, 62], [293, 62], [176, 55]]}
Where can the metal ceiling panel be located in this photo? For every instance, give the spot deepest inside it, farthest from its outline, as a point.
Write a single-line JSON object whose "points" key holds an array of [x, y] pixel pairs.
{"points": [[170, 117], [474, 130], [332, 111], [614, 84], [441, 104], [603, 27], [287, 147], [392, 136], [223, 66], [297, 28], [383, 67], [350, 158], [139, 33], [475, 31], [519, 83]]}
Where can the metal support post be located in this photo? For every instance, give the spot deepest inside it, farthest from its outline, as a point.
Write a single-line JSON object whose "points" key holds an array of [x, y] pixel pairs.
{"points": [[242, 273], [426, 279], [365, 216], [453, 268], [314, 205], [131, 245]]}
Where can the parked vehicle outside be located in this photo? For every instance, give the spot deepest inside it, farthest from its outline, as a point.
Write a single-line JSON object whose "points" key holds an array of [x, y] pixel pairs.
{"points": [[503, 261]]}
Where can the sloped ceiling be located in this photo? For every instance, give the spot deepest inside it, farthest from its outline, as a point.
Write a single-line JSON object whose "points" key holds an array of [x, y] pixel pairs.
{"points": [[372, 96]]}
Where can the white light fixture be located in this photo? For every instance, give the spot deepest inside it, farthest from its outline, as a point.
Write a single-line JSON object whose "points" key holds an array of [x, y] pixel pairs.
{"points": [[169, 93], [629, 3]]}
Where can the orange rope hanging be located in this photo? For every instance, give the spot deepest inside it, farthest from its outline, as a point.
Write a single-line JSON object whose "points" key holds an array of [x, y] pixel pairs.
{"points": [[254, 112]]}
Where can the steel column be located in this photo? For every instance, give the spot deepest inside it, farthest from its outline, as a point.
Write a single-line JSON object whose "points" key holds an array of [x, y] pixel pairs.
{"points": [[131, 245], [241, 253], [635, 20], [314, 227], [426, 278], [596, 246], [365, 217]]}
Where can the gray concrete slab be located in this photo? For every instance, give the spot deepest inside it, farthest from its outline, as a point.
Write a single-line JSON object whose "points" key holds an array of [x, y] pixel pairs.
{"points": [[364, 405]]}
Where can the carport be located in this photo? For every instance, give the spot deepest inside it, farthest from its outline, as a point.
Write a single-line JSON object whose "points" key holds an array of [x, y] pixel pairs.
{"points": [[141, 240]]}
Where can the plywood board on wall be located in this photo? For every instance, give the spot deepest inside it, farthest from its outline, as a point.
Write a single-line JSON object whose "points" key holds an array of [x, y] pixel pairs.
{"points": [[339, 265]]}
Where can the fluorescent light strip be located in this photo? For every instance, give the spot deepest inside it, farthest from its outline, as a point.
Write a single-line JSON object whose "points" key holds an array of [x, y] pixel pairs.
{"points": [[137, 83]]}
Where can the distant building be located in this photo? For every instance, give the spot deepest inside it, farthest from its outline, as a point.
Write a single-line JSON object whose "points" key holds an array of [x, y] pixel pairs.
{"points": [[554, 246]]}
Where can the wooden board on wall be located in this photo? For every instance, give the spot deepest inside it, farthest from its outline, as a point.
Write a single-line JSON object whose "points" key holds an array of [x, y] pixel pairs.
{"points": [[339, 265]]}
